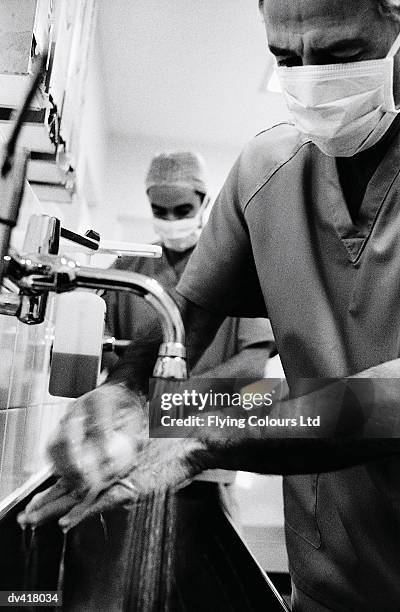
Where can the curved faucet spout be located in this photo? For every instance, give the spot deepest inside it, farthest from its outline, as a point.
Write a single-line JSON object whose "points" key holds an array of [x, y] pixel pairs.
{"points": [[144, 286], [171, 362]]}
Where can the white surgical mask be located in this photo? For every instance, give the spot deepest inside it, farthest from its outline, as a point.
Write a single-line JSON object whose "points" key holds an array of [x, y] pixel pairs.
{"points": [[342, 108], [182, 234]]}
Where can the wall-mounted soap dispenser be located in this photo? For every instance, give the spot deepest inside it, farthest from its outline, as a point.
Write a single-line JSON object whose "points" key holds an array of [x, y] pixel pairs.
{"points": [[78, 341]]}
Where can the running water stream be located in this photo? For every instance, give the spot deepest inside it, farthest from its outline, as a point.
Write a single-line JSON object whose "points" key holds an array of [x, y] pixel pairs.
{"points": [[145, 560], [151, 554]]}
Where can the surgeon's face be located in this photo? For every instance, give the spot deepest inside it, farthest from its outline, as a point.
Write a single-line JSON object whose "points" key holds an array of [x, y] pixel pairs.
{"points": [[304, 32], [171, 202]]}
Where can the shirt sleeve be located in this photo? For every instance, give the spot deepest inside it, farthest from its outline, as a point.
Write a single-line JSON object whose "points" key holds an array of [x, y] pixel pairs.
{"points": [[221, 276], [253, 332]]}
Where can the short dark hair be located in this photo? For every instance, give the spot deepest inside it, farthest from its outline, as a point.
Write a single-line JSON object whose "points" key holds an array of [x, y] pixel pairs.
{"points": [[385, 7]]}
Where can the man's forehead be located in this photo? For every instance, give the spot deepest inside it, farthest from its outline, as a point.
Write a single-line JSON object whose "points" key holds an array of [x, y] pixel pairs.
{"points": [[320, 23], [318, 12], [171, 194]]}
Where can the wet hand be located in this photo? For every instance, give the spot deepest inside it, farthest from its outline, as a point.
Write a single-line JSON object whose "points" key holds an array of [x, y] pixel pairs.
{"points": [[161, 465], [96, 439], [95, 444]]}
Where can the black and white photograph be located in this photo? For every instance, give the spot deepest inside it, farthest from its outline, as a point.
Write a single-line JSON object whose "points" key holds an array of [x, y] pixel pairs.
{"points": [[200, 305]]}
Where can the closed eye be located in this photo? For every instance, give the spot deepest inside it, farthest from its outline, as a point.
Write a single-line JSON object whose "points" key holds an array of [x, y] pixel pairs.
{"points": [[159, 211], [284, 57], [183, 210], [289, 62]]}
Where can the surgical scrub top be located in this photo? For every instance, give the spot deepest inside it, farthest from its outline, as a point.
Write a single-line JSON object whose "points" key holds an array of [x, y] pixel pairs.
{"points": [[280, 242]]}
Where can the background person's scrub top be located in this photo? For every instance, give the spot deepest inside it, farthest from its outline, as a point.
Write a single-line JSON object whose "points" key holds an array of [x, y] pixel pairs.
{"points": [[280, 243]]}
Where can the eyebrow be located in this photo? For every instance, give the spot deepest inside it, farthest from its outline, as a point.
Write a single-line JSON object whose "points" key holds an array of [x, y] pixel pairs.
{"points": [[340, 45], [154, 205]]}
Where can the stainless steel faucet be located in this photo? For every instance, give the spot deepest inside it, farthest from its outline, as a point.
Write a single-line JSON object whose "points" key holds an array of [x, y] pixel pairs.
{"points": [[36, 275], [42, 238]]}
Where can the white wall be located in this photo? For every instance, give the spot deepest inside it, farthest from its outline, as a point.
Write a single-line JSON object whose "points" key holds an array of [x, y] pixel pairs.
{"points": [[90, 152], [90, 202], [187, 69]]}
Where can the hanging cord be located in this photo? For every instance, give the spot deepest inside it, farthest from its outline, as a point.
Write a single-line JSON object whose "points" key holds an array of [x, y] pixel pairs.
{"points": [[21, 117]]}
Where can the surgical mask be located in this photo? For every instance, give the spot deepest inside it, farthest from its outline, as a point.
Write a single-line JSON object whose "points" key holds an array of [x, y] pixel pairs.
{"points": [[343, 108], [182, 234]]}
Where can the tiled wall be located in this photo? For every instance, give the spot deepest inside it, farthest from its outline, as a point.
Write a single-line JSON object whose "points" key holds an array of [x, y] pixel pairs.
{"points": [[28, 414]]}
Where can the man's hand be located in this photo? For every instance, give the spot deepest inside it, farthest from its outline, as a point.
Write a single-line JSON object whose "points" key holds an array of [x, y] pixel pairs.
{"points": [[162, 465], [105, 459], [96, 439]]}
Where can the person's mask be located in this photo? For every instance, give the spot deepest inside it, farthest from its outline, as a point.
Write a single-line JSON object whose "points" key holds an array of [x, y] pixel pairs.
{"points": [[182, 234], [343, 108]]}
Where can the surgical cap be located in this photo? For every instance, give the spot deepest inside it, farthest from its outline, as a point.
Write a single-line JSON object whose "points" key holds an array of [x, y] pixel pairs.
{"points": [[181, 169]]}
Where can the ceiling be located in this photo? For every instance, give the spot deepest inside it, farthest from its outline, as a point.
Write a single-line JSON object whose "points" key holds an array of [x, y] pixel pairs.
{"points": [[186, 69]]}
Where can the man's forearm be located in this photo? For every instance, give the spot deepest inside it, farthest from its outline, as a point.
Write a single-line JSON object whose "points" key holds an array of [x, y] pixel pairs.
{"points": [[359, 421], [290, 457], [201, 327], [349, 432]]}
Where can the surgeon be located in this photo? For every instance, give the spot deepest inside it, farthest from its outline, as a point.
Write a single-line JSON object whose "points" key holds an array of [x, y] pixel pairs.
{"points": [[306, 230], [176, 186]]}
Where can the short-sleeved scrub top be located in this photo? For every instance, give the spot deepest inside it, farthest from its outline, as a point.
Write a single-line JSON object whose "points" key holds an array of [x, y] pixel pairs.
{"points": [[280, 242]]}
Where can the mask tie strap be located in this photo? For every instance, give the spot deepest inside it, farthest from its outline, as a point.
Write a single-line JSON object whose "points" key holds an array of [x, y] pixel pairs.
{"points": [[203, 210]]}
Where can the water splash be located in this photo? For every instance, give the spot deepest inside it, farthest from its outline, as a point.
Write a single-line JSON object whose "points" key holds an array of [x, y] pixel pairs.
{"points": [[104, 527]]}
